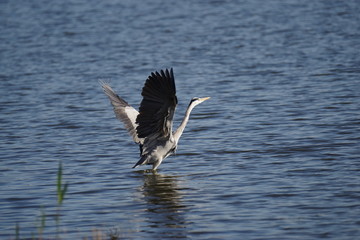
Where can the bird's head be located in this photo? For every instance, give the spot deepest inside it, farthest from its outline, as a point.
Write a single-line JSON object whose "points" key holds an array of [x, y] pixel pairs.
{"points": [[195, 101]]}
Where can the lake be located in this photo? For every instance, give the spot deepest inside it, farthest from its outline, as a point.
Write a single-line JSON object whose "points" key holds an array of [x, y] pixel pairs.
{"points": [[274, 154]]}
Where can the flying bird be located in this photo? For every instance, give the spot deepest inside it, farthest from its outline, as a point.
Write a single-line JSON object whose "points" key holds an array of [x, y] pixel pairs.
{"points": [[152, 126]]}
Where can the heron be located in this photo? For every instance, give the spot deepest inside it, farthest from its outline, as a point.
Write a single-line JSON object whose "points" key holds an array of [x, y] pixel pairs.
{"points": [[152, 126]]}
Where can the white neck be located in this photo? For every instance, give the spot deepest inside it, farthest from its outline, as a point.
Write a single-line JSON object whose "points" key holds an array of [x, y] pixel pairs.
{"points": [[182, 126]]}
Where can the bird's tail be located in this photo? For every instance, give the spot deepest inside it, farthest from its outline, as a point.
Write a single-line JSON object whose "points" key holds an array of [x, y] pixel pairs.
{"points": [[142, 161]]}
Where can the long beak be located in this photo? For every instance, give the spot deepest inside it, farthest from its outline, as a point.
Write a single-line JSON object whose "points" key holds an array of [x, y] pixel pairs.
{"points": [[204, 99]]}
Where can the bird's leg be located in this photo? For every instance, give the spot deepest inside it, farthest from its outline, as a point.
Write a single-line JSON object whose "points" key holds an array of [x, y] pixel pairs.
{"points": [[156, 164]]}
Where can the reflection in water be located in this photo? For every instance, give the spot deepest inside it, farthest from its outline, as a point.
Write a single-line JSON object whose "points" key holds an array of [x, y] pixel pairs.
{"points": [[164, 208]]}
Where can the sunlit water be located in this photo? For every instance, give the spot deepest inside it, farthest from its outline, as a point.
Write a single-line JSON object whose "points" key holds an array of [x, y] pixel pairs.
{"points": [[273, 155]]}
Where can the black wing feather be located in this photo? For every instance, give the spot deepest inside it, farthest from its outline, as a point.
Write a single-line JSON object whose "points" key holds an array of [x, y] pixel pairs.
{"points": [[158, 105]]}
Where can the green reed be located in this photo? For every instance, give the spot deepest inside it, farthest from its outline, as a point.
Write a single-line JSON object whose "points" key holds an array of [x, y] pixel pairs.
{"points": [[61, 189]]}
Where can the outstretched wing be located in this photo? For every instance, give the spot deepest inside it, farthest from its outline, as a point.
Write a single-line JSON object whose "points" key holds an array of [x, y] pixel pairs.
{"points": [[158, 105], [123, 111]]}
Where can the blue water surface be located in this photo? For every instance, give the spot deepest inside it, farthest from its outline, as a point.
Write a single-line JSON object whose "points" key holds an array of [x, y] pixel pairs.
{"points": [[273, 155]]}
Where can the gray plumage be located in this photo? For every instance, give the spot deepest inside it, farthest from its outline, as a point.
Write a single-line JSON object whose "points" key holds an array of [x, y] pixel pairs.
{"points": [[151, 127]]}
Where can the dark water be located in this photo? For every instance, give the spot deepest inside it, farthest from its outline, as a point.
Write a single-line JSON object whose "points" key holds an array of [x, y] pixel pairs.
{"points": [[273, 155]]}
